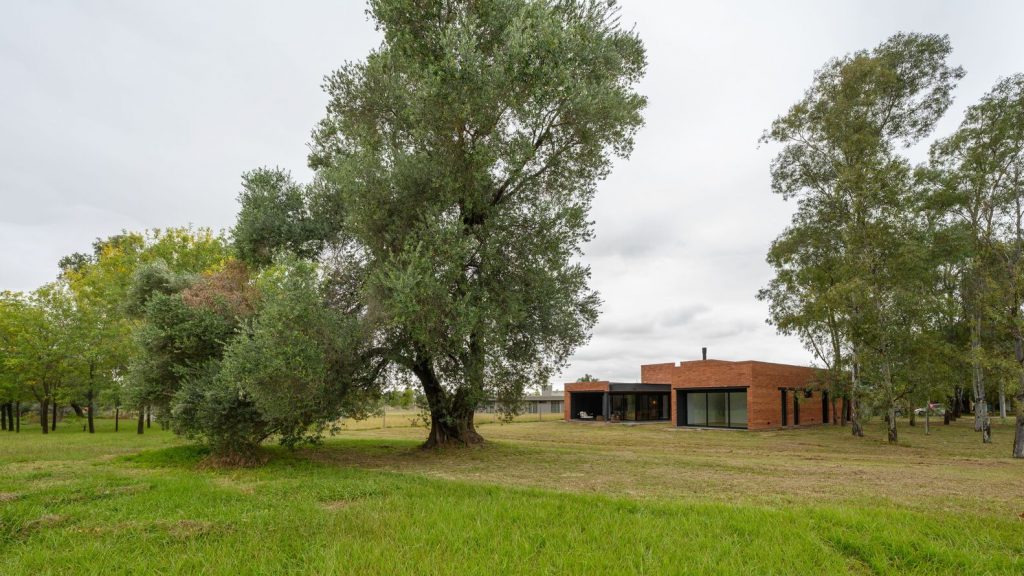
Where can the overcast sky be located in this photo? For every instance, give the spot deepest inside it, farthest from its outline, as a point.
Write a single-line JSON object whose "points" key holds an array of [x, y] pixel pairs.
{"points": [[135, 115]]}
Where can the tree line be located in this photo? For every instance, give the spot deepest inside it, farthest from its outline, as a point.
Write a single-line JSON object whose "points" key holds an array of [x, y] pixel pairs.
{"points": [[906, 281]]}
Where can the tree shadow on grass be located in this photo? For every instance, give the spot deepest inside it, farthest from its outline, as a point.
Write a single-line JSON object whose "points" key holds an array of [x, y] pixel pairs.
{"points": [[361, 453], [408, 455], [187, 456]]}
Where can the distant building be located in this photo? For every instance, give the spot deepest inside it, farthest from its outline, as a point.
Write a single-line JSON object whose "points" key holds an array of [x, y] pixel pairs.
{"points": [[547, 402]]}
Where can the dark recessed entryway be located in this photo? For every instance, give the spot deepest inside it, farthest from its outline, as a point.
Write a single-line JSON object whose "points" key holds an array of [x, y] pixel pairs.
{"points": [[586, 405]]}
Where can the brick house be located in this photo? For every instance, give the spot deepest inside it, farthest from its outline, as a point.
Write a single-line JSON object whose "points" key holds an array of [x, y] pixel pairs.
{"points": [[708, 394]]}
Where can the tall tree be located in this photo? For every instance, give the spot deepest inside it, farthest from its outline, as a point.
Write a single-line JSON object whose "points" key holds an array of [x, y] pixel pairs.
{"points": [[455, 170], [840, 161], [981, 170]]}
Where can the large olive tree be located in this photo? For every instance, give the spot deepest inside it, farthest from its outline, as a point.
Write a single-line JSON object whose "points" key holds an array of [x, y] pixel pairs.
{"points": [[455, 171]]}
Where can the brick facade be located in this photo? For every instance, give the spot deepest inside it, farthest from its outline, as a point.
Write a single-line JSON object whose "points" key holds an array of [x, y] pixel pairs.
{"points": [[762, 380]]}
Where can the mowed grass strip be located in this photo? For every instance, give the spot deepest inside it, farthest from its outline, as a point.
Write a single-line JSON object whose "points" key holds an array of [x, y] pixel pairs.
{"points": [[949, 471], [97, 505]]}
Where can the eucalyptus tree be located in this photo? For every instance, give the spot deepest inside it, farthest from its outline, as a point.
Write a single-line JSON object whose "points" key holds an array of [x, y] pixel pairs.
{"points": [[981, 167], [977, 165], [840, 161], [455, 169]]}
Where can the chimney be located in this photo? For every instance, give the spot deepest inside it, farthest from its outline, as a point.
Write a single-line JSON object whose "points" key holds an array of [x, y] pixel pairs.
{"points": [[704, 352]]}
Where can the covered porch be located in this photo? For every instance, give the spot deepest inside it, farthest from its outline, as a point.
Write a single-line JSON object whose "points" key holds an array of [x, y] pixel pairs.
{"points": [[618, 402]]}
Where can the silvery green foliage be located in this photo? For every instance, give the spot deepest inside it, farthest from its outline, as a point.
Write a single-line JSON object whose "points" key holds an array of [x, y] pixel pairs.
{"points": [[456, 165]]}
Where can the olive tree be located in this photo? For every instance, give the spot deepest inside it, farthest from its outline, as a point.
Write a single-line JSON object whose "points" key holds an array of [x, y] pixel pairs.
{"points": [[455, 169]]}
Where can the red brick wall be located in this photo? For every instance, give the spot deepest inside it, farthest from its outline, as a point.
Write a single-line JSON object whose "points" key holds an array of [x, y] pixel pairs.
{"points": [[697, 374], [761, 379], [764, 408]]}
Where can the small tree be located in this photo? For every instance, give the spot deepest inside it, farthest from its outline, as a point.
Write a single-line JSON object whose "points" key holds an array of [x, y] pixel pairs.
{"points": [[291, 371], [41, 346], [13, 388]]}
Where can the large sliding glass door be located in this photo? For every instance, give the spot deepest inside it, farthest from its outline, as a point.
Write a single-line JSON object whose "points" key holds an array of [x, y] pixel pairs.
{"points": [[714, 408]]}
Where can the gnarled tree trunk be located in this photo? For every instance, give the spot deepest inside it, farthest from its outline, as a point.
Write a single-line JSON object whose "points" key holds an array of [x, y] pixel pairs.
{"points": [[451, 413], [452, 429]]}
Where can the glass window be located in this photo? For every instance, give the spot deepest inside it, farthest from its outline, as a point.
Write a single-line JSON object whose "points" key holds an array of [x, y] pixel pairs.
{"points": [[696, 409], [618, 402], [718, 409], [722, 409], [738, 409]]}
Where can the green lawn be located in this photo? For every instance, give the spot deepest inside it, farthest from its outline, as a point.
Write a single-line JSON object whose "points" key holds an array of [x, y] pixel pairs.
{"points": [[540, 498]]}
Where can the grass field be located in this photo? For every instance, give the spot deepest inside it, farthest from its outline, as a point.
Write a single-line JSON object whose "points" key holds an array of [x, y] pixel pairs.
{"points": [[539, 498], [405, 418]]}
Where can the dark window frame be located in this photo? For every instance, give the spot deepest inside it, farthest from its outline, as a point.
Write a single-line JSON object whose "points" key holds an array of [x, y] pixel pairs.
{"points": [[785, 402], [682, 405]]}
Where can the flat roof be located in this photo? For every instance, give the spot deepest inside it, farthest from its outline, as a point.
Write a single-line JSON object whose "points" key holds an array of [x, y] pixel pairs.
{"points": [[629, 387], [717, 361]]}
